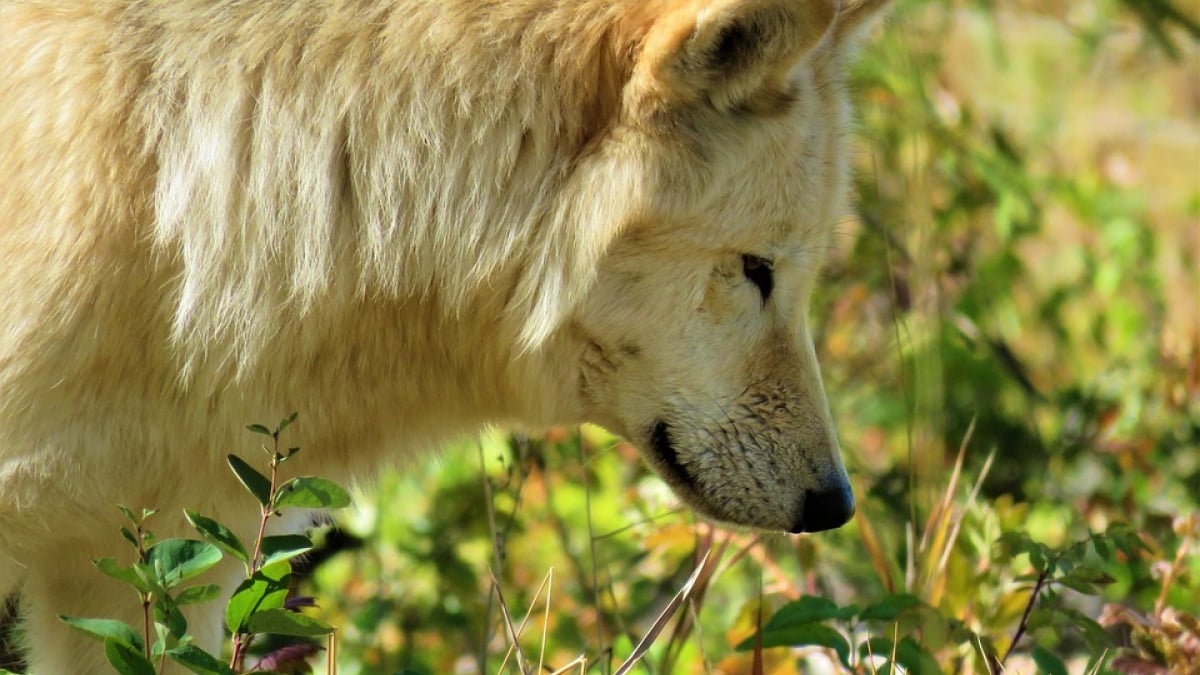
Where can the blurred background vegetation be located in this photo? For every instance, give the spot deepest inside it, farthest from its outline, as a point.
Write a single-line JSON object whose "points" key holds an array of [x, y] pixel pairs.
{"points": [[1011, 343]]}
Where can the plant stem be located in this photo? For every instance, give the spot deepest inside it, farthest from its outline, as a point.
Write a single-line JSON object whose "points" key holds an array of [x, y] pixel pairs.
{"points": [[141, 551], [146, 622], [241, 641], [1176, 565], [162, 662], [998, 666], [267, 510]]}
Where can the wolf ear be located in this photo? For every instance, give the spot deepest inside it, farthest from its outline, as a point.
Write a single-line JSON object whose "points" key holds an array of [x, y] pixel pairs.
{"points": [[855, 17], [734, 53]]}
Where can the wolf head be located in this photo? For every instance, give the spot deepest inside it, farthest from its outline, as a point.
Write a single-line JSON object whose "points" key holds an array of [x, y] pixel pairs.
{"points": [[692, 337], [550, 211]]}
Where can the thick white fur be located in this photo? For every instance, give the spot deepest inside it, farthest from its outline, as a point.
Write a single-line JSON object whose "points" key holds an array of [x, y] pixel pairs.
{"points": [[404, 219]]}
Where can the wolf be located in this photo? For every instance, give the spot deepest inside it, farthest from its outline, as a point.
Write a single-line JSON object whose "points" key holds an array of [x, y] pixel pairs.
{"points": [[405, 219]]}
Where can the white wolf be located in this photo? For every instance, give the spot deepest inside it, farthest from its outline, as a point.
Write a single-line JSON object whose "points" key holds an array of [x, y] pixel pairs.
{"points": [[403, 217]]}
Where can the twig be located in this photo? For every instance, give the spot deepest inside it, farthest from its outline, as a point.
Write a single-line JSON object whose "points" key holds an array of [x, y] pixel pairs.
{"points": [[482, 656], [587, 503], [687, 622], [998, 666], [141, 550], [648, 639], [1176, 565], [241, 641], [758, 624], [513, 633]]}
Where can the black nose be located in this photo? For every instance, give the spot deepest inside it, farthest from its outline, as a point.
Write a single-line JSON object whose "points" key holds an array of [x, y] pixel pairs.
{"points": [[826, 510]]}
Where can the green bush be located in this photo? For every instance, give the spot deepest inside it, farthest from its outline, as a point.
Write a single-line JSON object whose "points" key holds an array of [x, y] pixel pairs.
{"points": [[258, 607]]}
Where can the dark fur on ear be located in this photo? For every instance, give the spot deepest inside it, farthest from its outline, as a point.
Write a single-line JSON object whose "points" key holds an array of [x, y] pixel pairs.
{"points": [[733, 53]]}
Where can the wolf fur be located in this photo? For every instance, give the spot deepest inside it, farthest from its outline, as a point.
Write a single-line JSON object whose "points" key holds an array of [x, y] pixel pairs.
{"points": [[405, 219]]}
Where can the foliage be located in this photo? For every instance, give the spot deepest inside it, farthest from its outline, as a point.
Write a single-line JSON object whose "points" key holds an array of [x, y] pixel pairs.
{"points": [[259, 606], [818, 622]]}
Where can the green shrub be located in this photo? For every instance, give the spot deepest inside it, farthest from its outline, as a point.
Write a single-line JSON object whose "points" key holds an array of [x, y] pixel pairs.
{"points": [[259, 606]]}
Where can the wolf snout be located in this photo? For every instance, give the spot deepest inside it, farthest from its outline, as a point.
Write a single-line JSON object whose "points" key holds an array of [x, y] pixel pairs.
{"points": [[825, 509]]}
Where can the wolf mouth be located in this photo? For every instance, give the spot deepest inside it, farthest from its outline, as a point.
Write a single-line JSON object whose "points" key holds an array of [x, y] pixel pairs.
{"points": [[664, 449]]}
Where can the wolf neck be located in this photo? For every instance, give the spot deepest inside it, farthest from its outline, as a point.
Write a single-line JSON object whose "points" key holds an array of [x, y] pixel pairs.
{"points": [[376, 361], [394, 166]]}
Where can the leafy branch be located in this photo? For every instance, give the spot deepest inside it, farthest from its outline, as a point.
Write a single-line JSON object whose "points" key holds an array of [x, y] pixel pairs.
{"points": [[1078, 567], [259, 604]]}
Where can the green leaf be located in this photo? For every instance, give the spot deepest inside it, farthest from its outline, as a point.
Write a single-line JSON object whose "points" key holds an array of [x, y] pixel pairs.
{"points": [[1126, 539], [161, 635], [807, 609], [128, 514], [1092, 575], [267, 589], [284, 547], [283, 622], [1010, 544], [126, 659], [1048, 663], [177, 560], [889, 607], [798, 623], [218, 534], [146, 573], [1079, 585], [128, 575], [260, 429], [167, 615], [258, 484], [107, 629], [1038, 557], [915, 659], [129, 536], [907, 653], [1093, 633], [194, 595], [799, 635], [311, 493], [283, 424], [1040, 617], [198, 661], [1085, 579]]}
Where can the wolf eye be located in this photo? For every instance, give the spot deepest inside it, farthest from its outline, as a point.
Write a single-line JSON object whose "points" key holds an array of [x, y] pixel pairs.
{"points": [[761, 273]]}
